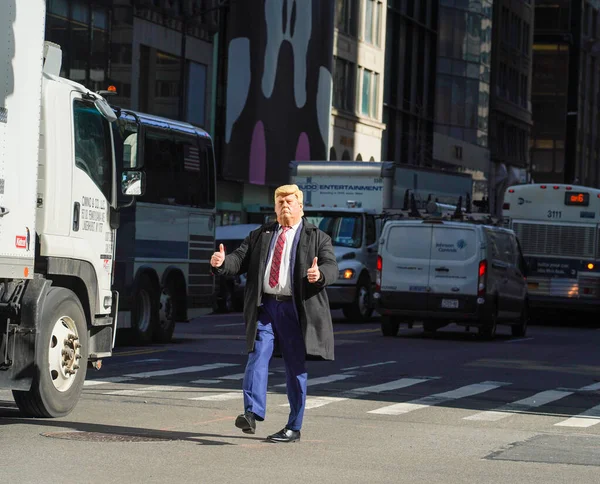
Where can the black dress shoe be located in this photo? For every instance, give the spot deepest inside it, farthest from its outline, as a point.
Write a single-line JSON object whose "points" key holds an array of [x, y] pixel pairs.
{"points": [[285, 435], [247, 422]]}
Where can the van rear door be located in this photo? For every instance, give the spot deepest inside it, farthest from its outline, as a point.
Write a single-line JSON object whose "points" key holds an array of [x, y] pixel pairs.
{"points": [[405, 265], [454, 268]]}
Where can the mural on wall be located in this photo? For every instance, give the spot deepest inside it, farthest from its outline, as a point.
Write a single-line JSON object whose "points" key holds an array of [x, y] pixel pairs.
{"points": [[279, 82]]}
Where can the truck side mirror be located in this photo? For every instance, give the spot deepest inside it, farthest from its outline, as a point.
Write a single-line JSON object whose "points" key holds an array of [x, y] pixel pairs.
{"points": [[133, 183]]}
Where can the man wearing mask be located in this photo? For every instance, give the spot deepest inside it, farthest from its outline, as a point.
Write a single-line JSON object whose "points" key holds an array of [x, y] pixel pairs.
{"points": [[288, 264]]}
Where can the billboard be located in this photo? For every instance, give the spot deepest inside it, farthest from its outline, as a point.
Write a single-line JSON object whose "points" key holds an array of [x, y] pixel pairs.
{"points": [[279, 81]]}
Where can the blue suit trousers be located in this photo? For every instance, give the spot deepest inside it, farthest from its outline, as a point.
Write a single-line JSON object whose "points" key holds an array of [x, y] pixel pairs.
{"points": [[277, 319]]}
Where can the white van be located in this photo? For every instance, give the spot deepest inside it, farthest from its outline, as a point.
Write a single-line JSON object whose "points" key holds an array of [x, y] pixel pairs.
{"points": [[441, 272]]}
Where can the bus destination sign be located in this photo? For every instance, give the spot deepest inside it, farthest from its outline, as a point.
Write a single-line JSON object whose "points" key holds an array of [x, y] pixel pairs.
{"points": [[581, 199]]}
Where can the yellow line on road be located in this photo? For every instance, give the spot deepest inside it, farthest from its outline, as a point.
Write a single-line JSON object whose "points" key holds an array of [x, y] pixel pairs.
{"points": [[137, 352], [357, 331]]}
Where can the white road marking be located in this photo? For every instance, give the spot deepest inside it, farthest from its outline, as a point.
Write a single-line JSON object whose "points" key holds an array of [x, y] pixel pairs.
{"points": [[520, 406], [585, 419], [315, 402], [220, 397], [178, 371], [323, 379], [518, 340], [114, 379], [438, 398], [369, 365], [152, 389]]}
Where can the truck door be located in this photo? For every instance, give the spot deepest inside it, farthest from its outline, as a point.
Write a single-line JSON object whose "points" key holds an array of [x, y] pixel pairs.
{"points": [[454, 269], [92, 186], [405, 266]]}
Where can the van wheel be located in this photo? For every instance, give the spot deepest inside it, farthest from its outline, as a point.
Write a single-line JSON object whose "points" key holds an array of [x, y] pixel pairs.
{"points": [[61, 354], [520, 329], [389, 326], [360, 310], [487, 330], [145, 314]]}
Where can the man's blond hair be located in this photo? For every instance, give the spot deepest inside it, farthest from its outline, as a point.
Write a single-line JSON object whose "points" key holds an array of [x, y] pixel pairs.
{"points": [[285, 190]]}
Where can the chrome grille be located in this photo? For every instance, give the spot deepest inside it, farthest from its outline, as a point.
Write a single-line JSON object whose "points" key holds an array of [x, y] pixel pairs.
{"points": [[558, 240]]}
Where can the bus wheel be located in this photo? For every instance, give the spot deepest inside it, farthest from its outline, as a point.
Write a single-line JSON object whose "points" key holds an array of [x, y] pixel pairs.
{"points": [[60, 358], [145, 314], [169, 309]]}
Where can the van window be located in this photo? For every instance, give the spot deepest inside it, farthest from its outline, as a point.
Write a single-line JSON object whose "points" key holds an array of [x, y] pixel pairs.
{"points": [[453, 243], [505, 247], [409, 242]]}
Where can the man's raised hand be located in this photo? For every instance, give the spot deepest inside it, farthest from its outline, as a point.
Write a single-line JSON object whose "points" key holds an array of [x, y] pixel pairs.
{"points": [[218, 257], [313, 272]]}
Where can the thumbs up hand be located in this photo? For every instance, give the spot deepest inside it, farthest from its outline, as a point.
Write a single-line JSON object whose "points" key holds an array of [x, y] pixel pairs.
{"points": [[313, 273], [217, 258]]}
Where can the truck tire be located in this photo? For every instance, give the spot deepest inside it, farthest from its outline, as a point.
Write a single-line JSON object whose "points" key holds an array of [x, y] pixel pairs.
{"points": [[361, 309], [487, 329], [389, 326], [60, 358], [144, 317]]}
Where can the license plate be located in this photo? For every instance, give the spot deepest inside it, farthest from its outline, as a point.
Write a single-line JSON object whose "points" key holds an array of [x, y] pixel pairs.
{"points": [[450, 303]]}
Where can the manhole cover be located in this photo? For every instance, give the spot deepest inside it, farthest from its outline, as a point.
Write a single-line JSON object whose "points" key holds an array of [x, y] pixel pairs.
{"points": [[105, 437]]}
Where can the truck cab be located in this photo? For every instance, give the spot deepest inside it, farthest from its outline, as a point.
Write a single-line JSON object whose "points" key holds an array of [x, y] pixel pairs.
{"points": [[354, 233]]}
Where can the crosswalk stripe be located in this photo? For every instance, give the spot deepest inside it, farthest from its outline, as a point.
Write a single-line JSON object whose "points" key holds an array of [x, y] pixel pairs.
{"points": [[583, 420], [438, 398], [114, 379], [324, 379], [178, 371], [220, 397], [152, 389], [315, 402], [519, 406]]}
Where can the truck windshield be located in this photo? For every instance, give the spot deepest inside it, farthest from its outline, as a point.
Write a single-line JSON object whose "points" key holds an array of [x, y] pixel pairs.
{"points": [[345, 229], [93, 145]]}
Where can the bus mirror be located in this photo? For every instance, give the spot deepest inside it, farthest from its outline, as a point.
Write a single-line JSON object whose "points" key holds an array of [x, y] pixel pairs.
{"points": [[132, 183]]}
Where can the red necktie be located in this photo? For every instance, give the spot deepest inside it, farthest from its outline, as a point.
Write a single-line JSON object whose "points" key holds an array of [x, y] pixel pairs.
{"points": [[276, 263]]}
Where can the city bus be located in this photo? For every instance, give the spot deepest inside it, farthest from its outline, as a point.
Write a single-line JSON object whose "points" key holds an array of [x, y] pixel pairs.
{"points": [[558, 227], [166, 238]]}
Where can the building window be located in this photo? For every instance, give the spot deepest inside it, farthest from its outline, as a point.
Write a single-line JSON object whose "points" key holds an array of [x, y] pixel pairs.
{"points": [[370, 81], [343, 84], [346, 16], [196, 94], [372, 22], [525, 43]]}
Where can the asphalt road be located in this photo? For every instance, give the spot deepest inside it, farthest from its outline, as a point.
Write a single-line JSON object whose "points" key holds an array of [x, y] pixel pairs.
{"points": [[442, 408]]}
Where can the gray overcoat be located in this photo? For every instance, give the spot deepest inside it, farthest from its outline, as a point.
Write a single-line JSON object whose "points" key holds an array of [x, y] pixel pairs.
{"points": [[311, 302]]}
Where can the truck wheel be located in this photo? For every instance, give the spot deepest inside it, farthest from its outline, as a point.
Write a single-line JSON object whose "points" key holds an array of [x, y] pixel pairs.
{"points": [[520, 329], [360, 310], [430, 326], [389, 326], [60, 358], [169, 308], [145, 314]]}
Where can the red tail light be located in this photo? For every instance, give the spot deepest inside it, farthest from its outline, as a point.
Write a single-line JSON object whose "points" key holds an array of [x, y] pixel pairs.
{"points": [[378, 275], [482, 278], [543, 187]]}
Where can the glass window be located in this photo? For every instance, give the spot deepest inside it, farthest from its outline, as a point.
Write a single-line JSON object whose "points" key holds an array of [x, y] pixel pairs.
{"points": [[93, 145], [178, 170], [366, 93], [346, 16], [369, 21], [343, 86], [196, 93], [378, 14], [370, 229], [345, 230]]}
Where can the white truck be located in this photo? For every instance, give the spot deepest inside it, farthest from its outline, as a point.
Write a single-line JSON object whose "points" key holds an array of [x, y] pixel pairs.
{"points": [[348, 200], [58, 217]]}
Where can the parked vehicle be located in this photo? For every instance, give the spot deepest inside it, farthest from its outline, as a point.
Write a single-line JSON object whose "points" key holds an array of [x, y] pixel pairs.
{"points": [[58, 218], [441, 272], [347, 200], [229, 290]]}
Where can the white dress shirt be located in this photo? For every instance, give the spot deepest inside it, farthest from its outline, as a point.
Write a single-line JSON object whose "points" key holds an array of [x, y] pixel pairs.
{"points": [[284, 287]]}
